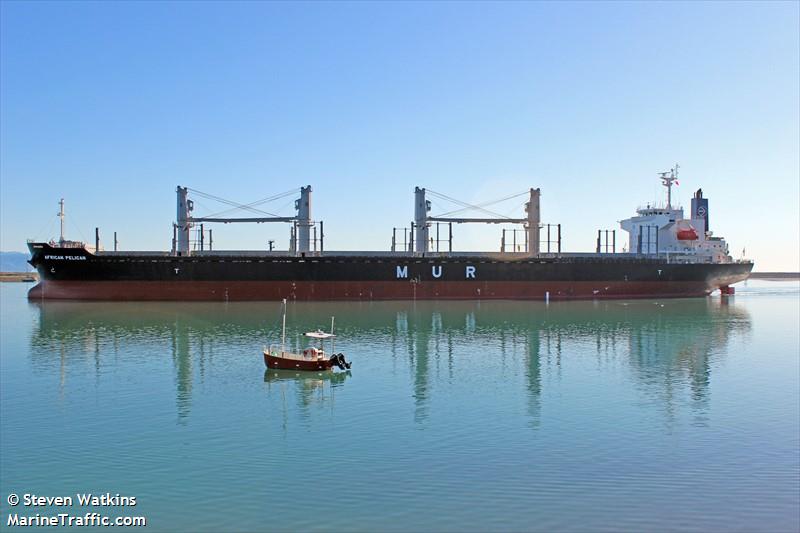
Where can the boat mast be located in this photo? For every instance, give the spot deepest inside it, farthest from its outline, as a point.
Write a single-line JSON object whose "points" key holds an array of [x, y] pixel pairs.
{"points": [[283, 329], [61, 216], [332, 334]]}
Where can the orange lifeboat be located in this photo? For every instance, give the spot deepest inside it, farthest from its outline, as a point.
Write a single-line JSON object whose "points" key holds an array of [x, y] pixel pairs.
{"points": [[687, 233]]}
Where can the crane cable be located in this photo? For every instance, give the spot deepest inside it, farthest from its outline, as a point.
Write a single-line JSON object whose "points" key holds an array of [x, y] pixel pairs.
{"points": [[485, 204], [236, 206], [464, 204], [467, 206], [253, 204], [228, 202]]}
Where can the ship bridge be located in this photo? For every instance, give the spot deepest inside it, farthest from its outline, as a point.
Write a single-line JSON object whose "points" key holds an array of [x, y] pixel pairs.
{"points": [[664, 229]]}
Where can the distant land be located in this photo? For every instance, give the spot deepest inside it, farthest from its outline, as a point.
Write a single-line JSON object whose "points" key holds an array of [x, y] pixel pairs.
{"points": [[775, 275], [14, 262]]}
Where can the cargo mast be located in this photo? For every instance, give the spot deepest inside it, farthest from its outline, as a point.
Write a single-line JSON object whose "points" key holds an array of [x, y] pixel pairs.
{"points": [[421, 208], [304, 223], [534, 220], [183, 225], [301, 240], [422, 220]]}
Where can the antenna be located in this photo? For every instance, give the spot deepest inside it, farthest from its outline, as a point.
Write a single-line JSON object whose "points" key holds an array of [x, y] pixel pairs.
{"points": [[667, 178]]}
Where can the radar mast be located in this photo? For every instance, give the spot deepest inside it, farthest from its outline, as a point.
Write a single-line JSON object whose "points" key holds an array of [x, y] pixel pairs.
{"points": [[666, 180]]}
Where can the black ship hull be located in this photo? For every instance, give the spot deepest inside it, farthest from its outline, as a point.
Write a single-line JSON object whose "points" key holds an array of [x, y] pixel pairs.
{"points": [[74, 273]]}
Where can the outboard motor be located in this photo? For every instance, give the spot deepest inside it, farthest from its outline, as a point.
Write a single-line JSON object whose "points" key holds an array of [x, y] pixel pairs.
{"points": [[338, 360]]}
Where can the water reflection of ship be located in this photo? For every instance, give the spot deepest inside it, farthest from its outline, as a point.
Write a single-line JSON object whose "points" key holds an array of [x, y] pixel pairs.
{"points": [[77, 330], [666, 345]]}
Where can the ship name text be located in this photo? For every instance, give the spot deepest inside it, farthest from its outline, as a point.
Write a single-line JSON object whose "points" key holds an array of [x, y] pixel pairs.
{"points": [[65, 257], [436, 271]]}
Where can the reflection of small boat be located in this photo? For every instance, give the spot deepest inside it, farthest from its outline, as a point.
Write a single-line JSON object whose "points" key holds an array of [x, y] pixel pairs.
{"points": [[272, 375], [311, 358]]}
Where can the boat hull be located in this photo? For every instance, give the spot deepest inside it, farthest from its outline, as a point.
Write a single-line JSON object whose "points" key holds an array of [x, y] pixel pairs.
{"points": [[78, 275], [283, 363]]}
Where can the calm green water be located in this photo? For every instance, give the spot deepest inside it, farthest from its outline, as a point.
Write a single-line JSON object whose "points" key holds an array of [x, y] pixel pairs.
{"points": [[637, 415]]}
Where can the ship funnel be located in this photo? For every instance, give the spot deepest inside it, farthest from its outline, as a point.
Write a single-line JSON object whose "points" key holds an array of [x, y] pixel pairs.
{"points": [[700, 208]]}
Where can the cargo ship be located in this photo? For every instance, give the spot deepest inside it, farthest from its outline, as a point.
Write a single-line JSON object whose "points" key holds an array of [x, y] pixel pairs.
{"points": [[665, 255]]}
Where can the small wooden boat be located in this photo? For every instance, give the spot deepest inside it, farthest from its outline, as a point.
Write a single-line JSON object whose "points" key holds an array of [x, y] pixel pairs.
{"points": [[310, 359]]}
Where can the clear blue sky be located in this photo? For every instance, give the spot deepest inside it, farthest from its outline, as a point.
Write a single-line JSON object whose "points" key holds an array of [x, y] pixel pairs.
{"points": [[111, 105]]}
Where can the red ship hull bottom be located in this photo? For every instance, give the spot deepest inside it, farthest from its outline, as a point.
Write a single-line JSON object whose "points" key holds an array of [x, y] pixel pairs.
{"points": [[372, 290]]}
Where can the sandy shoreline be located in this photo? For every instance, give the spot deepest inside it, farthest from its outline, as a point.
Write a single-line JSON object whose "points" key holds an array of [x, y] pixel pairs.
{"points": [[19, 276]]}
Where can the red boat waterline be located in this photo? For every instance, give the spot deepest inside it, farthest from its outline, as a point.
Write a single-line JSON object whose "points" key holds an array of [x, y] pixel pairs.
{"points": [[282, 363], [366, 290]]}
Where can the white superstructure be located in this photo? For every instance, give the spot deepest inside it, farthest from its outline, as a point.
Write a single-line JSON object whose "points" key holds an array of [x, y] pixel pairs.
{"points": [[664, 230]]}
